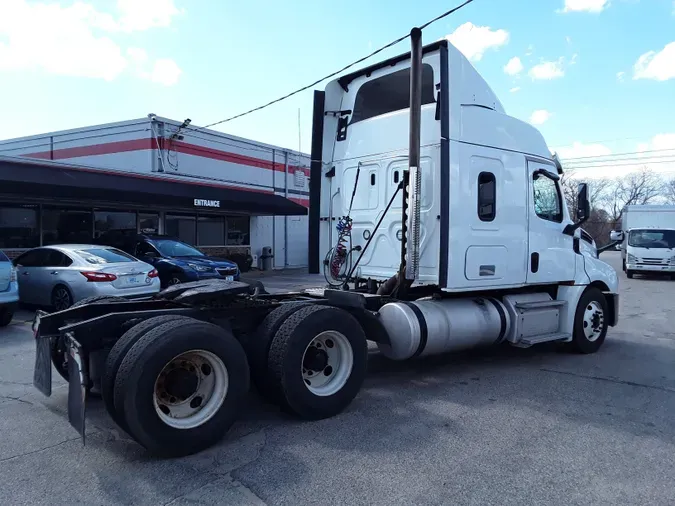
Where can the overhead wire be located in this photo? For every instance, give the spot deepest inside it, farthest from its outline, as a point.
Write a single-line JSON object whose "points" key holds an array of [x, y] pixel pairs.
{"points": [[337, 72]]}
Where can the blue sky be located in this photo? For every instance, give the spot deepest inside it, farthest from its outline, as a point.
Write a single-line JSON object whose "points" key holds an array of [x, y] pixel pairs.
{"points": [[66, 64]]}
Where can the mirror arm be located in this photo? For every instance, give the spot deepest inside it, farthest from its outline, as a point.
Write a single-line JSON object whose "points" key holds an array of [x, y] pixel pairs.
{"points": [[569, 229], [608, 246]]}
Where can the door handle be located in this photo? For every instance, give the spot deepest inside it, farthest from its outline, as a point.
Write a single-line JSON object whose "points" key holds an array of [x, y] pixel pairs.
{"points": [[54, 272], [25, 273]]}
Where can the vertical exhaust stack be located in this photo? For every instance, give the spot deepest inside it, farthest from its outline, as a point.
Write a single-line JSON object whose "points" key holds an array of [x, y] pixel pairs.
{"points": [[413, 185]]}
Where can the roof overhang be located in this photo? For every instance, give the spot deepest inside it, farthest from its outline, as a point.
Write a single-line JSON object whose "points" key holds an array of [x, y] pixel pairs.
{"points": [[60, 181]]}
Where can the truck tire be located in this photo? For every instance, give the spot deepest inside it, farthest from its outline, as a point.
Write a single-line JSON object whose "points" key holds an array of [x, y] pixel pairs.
{"points": [[117, 354], [629, 274], [195, 369], [590, 322], [259, 346], [318, 359]]}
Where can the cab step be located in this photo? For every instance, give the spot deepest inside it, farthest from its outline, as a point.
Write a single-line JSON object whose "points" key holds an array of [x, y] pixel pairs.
{"points": [[526, 342]]}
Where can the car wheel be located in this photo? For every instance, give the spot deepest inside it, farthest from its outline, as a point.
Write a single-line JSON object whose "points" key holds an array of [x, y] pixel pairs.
{"points": [[61, 298], [6, 317], [182, 386], [174, 280], [590, 322]]}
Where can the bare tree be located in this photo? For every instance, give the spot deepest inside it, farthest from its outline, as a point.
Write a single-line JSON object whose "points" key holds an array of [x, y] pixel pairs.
{"points": [[598, 190], [637, 188], [669, 191]]}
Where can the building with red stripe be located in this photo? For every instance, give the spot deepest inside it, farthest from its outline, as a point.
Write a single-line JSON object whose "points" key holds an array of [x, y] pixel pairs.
{"points": [[227, 195]]}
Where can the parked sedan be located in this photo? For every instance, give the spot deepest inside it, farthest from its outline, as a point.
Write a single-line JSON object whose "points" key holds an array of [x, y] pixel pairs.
{"points": [[9, 290], [59, 276]]}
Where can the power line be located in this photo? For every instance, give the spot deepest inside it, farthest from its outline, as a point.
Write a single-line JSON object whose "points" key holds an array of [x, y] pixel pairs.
{"points": [[612, 155], [333, 74], [610, 165]]}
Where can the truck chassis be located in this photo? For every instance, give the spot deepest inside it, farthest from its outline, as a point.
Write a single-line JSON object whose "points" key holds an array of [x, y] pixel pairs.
{"points": [[175, 370]]}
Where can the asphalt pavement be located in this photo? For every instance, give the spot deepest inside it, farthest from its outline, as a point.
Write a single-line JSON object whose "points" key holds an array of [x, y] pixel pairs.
{"points": [[508, 426]]}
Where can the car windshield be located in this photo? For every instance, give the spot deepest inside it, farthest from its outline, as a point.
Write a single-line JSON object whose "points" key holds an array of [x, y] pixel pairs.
{"points": [[98, 256], [171, 248], [652, 238]]}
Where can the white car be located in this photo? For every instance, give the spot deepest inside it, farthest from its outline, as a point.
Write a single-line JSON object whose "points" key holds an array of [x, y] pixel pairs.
{"points": [[58, 276]]}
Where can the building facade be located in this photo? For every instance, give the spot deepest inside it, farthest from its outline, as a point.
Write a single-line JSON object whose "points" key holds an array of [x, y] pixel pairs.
{"points": [[229, 196]]}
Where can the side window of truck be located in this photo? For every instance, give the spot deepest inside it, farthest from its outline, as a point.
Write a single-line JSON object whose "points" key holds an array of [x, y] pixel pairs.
{"points": [[486, 196], [547, 198]]}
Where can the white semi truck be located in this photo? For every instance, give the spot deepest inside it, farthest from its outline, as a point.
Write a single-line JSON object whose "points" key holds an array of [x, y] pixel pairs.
{"points": [[441, 216], [647, 237]]}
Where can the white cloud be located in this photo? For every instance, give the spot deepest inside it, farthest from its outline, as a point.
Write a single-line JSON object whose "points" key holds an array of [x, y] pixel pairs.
{"points": [[659, 66], [547, 70], [663, 141], [515, 90], [514, 66], [585, 5], [568, 39], [76, 40], [620, 76], [540, 117], [573, 60], [165, 72], [474, 40], [581, 150], [530, 50]]}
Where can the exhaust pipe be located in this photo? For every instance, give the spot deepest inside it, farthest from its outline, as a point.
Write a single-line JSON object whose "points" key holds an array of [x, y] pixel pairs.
{"points": [[412, 184]]}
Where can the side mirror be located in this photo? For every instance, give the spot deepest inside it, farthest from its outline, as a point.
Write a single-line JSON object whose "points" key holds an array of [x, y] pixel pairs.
{"points": [[616, 236], [150, 254], [583, 203]]}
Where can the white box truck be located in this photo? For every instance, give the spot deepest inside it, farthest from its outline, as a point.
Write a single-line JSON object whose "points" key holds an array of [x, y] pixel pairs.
{"points": [[647, 238]]}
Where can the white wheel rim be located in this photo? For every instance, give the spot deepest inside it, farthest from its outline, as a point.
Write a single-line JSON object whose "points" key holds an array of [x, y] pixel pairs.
{"points": [[190, 389], [174, 281], [327, 363], [594, 321]]}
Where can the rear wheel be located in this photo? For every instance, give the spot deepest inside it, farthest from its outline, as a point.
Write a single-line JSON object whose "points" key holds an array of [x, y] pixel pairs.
{"points": [[259, 346], [116, 356], [590, 322], [61, 298], [181, 386], [6, 316], [318, 359]]}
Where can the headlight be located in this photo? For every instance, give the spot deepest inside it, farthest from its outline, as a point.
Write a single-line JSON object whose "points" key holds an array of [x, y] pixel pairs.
{"points": [[630, 258], [200, 268]]}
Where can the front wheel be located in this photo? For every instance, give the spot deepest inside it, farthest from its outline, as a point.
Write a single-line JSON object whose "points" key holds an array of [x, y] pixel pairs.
{"points": [[6, 316], [180, 387], [630, 274], [318, 360], [590, 322]]}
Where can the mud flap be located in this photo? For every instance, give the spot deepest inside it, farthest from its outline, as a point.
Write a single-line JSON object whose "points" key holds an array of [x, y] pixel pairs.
{"points": [[42, 374], [78, 381]]}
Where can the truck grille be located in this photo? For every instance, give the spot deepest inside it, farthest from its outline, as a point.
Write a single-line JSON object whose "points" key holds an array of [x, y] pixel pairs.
{"points": [[652, 261], [227, 272]]}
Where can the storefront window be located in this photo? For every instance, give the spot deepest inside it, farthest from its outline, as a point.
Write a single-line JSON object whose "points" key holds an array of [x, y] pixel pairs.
{"points": [[148, 223], [114, 228], [238, 230], [19, 227], [211, 230], [182, 227], [67, 226]]}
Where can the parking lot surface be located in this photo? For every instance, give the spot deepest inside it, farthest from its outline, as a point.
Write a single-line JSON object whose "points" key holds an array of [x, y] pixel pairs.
{"points": [[507, 426]]}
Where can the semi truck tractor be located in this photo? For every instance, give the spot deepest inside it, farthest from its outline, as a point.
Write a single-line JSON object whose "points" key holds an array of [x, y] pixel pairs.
{"points": [[441, 226], [647, 237]]}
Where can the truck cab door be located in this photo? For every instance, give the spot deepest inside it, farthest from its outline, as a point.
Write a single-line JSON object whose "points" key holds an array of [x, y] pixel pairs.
{"points": [[552, 258]]}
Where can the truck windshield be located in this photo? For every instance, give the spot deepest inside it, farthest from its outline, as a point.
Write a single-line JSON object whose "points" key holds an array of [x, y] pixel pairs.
{"points": [[391, 93], [652, 238]]}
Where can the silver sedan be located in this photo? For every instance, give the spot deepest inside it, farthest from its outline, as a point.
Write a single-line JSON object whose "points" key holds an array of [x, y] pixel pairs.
{"points": [[58, 276]]}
